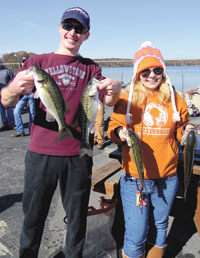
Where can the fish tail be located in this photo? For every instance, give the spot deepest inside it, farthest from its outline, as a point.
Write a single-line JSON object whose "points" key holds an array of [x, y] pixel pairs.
{"points": [[185, 195], [185, 192], [65, 132], [86, 150]]}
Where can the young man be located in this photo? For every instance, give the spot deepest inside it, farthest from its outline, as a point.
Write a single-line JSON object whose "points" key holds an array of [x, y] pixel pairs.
{"points": [[47, 160]]}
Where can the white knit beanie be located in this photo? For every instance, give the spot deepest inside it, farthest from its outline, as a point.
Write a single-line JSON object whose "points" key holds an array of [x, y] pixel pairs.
{"points": [[147, 50]]}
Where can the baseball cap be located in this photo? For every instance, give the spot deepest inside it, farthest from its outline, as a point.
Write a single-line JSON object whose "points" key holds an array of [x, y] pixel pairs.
{"points": [[78, 14]]}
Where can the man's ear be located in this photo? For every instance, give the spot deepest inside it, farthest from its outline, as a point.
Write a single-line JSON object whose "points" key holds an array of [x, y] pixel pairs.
{"points": [[59, 26], [87, 35]]}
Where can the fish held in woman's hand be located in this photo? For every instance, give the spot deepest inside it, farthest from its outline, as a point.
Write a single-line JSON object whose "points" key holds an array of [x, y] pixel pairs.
{"points": [[133, 142], [191, 142]]}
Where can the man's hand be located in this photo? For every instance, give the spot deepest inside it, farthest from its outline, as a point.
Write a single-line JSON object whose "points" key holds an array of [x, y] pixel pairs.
{"points": [[111, 89], [22, 84]]}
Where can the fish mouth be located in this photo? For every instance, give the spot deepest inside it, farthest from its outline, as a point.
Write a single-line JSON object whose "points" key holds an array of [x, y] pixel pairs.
{"points": [[33, 69], [91, 95], [40, 80]]}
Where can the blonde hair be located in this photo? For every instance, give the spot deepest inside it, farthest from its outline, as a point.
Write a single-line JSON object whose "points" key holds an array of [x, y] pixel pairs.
{"points": [[140, 93]]}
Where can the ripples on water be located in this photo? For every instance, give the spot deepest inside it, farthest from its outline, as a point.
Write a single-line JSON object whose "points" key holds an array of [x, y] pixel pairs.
{"points": [[182, 77]]}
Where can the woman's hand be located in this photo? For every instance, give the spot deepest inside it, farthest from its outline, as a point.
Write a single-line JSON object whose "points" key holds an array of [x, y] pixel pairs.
{"points": [[122, 133]]}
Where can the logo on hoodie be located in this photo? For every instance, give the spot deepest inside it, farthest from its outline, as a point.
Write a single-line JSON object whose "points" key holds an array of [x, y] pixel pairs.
{"points": [[155, 117]]}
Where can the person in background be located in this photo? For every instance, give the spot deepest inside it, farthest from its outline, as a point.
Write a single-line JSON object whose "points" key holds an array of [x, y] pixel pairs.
{"points": [[19, 108], [195, 111], [99, 127], [49, 162], [7, 116], [159, 116]]}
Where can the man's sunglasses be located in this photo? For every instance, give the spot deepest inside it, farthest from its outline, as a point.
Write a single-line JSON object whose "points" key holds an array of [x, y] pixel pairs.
{"points": [[146, 72], [79, 29]]}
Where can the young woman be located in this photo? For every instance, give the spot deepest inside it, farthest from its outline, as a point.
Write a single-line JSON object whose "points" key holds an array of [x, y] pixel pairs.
{"points": [[159, 116]]}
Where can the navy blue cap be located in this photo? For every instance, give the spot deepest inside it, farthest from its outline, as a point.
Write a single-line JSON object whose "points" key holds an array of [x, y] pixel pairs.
{"points": [[78, 14]]}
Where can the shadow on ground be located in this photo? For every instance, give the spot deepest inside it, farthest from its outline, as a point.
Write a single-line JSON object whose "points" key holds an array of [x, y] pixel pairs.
{"points": [[9, 200]]}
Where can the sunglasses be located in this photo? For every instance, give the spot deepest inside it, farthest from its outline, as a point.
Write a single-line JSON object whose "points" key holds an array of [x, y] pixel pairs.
{"points": [[79, 29], [146, 72]]}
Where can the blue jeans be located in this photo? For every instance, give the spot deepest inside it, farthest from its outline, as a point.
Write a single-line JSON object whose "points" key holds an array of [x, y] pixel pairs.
{"points": [[18, 112], [7, 116], [151, 219]]}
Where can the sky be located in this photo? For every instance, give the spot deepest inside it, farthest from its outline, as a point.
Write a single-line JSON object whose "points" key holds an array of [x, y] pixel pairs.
{"points": [[117, 27]]}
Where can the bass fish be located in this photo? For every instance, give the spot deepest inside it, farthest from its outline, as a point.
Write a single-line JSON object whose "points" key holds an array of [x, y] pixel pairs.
{"points": [[52, 98], [190, 146], [133, 142], [89, 104]]}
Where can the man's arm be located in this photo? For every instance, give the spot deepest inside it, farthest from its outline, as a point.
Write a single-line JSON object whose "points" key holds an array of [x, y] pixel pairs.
{"points": [[8, 97], [22, 84], [111, 90]]}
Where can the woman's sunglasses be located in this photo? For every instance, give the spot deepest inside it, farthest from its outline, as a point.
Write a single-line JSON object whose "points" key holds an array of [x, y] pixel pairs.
{"points": [[79, 29], [146, 72]]}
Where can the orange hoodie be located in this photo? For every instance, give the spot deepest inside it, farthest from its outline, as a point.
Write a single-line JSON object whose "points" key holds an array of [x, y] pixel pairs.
{"points": [[153, 123]]}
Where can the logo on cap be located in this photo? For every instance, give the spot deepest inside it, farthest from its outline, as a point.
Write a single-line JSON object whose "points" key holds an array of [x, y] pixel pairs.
{"points": [[78, 10]]}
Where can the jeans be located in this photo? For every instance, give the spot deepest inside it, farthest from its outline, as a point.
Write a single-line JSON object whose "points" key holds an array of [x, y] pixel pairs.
{"points": [[18, 112], [42, 174], [7, 116], [152, 219]]}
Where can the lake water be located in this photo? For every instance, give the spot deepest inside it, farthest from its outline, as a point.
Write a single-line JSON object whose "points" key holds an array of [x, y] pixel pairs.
{"points": [[182, 77]]}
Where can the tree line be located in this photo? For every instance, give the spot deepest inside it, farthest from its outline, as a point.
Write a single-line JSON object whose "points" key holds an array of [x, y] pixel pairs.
{"points": [[12, 60], [15, 57]]}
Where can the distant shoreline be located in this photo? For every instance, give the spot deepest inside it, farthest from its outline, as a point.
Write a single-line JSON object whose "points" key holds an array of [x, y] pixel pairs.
{"points": [[123, 62]]}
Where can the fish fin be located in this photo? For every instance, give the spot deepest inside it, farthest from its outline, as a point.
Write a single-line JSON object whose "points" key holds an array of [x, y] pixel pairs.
{"points": [[67, 107], [85, 151], [50, 117], [64, 132], [99, 105], [93, 130], [36, 94], [185, 195]]}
